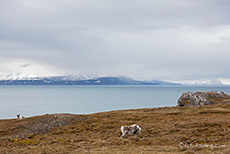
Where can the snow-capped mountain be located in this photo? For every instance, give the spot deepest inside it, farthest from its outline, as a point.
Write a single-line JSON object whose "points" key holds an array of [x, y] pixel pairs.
{"points": [[20, 76], [213, 82], [76, 80]]}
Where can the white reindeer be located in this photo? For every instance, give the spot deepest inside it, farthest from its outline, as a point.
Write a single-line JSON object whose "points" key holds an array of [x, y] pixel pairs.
{"points": [[20, 117], [130, 130]]}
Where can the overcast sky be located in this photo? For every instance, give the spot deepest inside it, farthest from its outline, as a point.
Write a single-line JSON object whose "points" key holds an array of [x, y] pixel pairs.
{"points": [[170, 40]]}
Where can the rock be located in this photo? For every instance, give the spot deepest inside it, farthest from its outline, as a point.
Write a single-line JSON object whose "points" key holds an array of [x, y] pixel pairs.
{"points": [[199, 98]]}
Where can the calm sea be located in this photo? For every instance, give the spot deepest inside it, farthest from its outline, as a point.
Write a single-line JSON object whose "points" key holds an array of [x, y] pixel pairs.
{"points": [[39, 100]]}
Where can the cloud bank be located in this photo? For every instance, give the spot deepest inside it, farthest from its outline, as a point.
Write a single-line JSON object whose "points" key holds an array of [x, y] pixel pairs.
{"points": [[165, 40]]}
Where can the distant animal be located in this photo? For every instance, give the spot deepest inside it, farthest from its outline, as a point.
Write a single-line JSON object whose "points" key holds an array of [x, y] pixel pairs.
{"points": [[130, 130], [20, 117]]}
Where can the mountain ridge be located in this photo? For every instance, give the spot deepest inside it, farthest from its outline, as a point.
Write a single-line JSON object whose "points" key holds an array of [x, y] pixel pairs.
{"points": [[81, 80]]}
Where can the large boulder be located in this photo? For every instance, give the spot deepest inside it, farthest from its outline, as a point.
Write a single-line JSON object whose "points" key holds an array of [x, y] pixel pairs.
{"points": [[200, 98]]}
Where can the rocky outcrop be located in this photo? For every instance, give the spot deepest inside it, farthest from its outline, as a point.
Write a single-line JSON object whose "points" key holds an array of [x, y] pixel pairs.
{"points": [[200, 98]]}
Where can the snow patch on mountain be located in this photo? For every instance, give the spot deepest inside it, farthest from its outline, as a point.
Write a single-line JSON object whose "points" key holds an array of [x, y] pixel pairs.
{"points": [[214, 82], [18, 76], [22, 76]]}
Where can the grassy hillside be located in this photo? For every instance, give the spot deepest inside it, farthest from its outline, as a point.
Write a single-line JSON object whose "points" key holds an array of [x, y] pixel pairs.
{"points": [[164, 130]]}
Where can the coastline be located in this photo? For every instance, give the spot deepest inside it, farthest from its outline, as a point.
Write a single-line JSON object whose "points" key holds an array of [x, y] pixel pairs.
{"points": [[163, 131]]}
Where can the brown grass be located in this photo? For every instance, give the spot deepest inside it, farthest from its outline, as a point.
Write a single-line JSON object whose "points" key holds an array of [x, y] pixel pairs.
{"points": [[163, 129]]}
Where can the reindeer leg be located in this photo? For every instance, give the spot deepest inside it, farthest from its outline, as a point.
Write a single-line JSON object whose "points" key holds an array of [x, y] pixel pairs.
{"points": [[122, 136]]}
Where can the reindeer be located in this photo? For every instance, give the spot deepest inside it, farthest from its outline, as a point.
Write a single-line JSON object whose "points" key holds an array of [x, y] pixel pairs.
{"points": [[130, 130], [20, 117]]}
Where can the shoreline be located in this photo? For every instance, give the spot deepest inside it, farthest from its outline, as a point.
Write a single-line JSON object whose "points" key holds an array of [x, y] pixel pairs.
{"points": [[163, 130], [87, 113]]}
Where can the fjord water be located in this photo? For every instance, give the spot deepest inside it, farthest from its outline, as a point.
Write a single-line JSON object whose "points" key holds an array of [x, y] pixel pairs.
{"points": [[39, 100]]}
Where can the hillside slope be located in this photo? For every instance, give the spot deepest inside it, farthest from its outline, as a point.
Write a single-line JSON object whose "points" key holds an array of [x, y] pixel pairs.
{"points": [[164, 130]]}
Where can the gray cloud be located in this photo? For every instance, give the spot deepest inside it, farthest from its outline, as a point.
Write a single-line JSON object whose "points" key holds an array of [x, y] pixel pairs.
{"points": [[24, 65], [169, 40]]}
